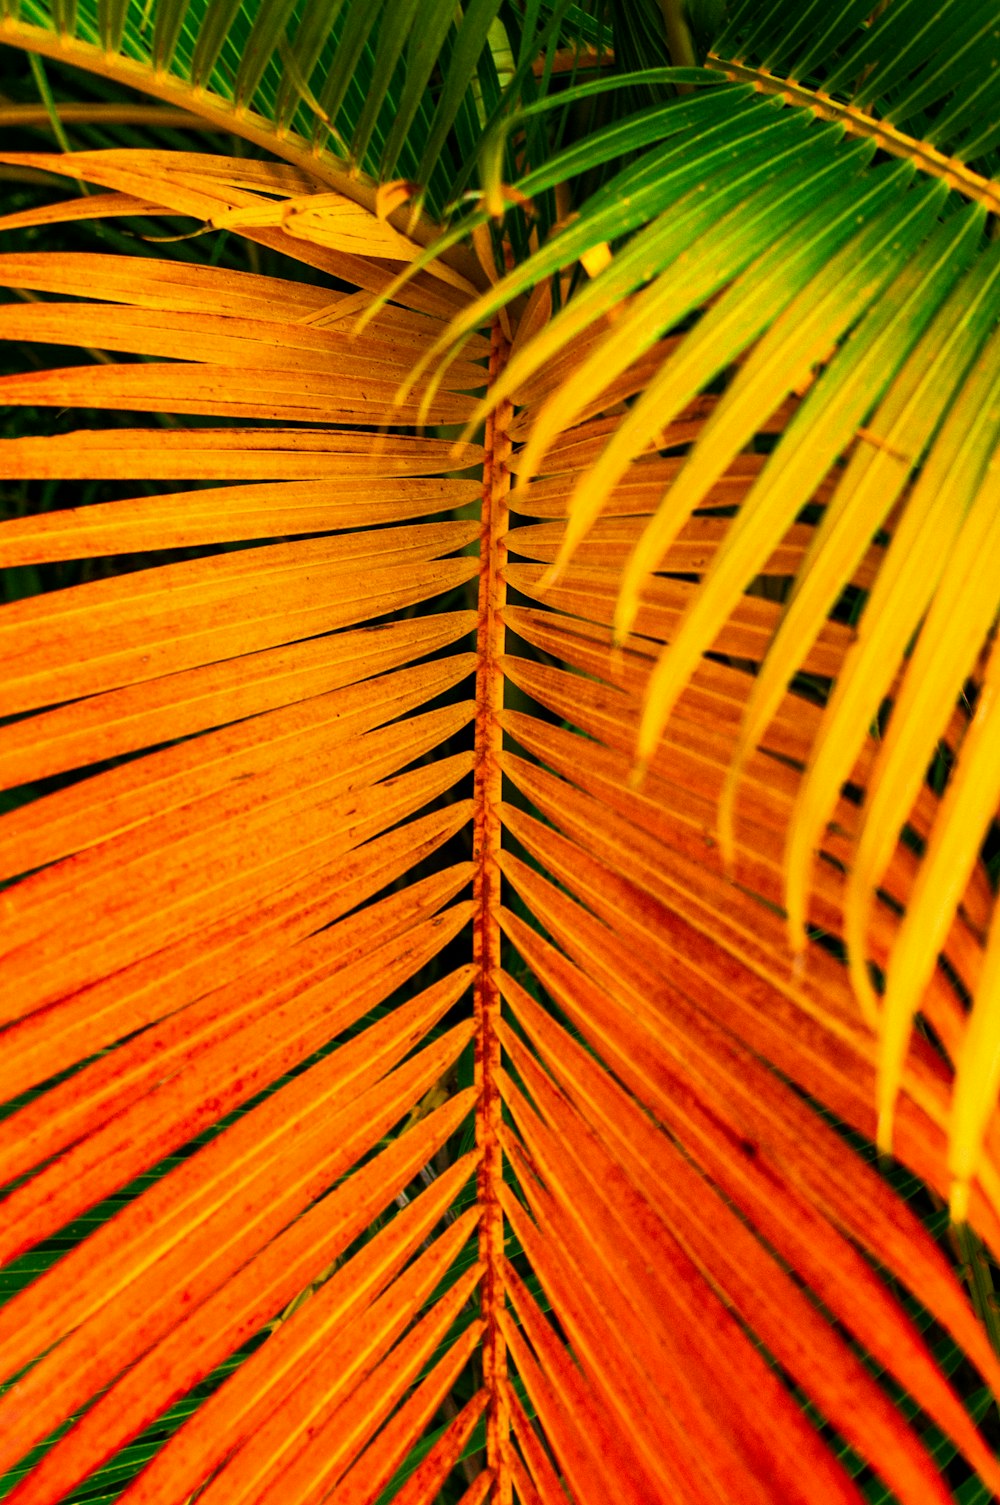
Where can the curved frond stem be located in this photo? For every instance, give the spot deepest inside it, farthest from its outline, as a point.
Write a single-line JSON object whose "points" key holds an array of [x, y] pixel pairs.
{"points": [[858, 122], [218, 112]]}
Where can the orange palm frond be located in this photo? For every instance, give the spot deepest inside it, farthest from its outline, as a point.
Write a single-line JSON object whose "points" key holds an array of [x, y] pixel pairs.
{"points": [[412, 1097]]}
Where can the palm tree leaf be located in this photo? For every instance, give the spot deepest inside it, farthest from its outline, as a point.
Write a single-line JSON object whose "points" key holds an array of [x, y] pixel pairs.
{"points": [[721, 1242], [940, 659], [624, 1220], [222, 191], [925, 537], [975, 1094], [788, 346], [869, 300], [175, 285], [907, 417], [427, 1479], [224, 340], [295, 1426], [244, 1067], [123, 936], [95, 206], [581, 1426], [226, 514], [204, 1208], [227, 454], [151, 712], [967, 808], [748, 130], [67, 822], [670, 296], [349, 1300], [173, 1115], [329, 1447], [153, 1115], [596, 885], [222, 391], [224, 598], [893, 69], [376, 1465], [471, 51]]}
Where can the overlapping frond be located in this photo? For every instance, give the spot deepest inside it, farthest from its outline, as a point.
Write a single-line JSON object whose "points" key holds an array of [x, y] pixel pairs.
{"points": [[361, 95], [794, 263], [405, 1100]]}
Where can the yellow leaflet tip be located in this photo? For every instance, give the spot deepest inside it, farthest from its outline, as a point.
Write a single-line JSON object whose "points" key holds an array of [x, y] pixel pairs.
{"points": [[958, 1207], [884, 1131], [797, 939], [404, 389], [465, 438], [424, 406], [379, 441], [390, 196], [596, 259], [626, 611], [526, 471], [637, 773], [367, 315]]}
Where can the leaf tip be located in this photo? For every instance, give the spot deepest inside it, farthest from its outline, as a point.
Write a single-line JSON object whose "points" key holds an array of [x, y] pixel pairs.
{"points": [[390, 196], [958, 1203], [885, 1127], [637, 773]]}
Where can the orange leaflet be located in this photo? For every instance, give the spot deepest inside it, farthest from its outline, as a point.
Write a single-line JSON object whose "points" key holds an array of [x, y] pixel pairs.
{"points": [[40, 1045]]}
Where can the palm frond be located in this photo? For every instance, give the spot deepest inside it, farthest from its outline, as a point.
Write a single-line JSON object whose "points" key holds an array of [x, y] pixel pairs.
{"points": [[867, 289], [389, 1068]]}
